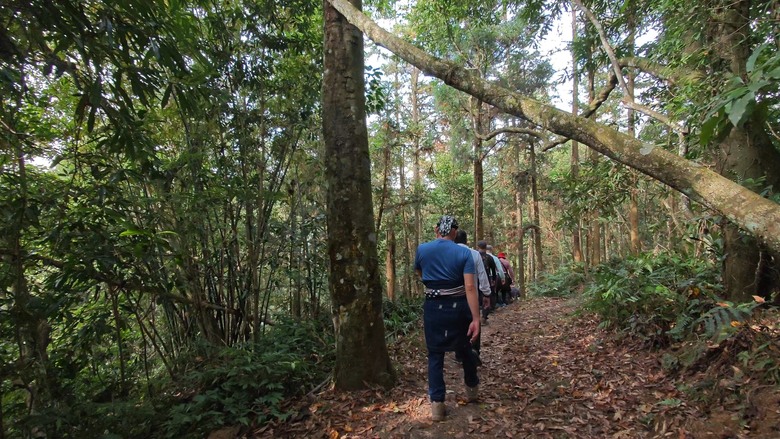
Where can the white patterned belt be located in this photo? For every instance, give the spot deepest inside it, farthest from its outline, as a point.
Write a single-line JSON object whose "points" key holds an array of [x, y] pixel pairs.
{"points": [[435, 293]]}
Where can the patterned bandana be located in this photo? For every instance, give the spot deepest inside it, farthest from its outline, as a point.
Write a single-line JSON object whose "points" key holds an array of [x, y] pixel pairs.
{"points": [[446, 224]]}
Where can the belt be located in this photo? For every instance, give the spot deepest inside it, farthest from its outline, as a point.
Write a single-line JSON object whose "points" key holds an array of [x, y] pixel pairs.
{"points": [[441, 293]]}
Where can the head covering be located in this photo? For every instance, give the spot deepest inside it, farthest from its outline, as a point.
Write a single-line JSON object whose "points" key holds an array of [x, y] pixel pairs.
{"points": [[502, 255], [446, 224]]}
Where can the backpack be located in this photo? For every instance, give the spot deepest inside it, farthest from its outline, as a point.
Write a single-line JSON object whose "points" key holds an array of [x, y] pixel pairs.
{"points": [[490, 267], [507, 278]]}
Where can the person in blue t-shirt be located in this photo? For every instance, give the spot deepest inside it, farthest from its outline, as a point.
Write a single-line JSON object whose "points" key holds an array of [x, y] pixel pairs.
{"points": [[450, 312]]}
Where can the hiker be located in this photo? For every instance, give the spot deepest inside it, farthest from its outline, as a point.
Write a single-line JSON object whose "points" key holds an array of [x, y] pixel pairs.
{"points": [[483, 284], [450, 311], [499, 280], [491, 267], [506, 287]]}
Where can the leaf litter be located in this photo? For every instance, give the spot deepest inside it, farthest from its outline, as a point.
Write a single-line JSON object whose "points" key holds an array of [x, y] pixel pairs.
{"points": [[547, 373]]}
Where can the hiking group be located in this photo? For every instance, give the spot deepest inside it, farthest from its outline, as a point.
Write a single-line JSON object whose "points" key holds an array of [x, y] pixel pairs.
{"points": [[459, 282]]}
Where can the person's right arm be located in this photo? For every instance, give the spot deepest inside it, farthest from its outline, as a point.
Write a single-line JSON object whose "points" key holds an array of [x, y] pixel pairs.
{"points": [[473, 301]]}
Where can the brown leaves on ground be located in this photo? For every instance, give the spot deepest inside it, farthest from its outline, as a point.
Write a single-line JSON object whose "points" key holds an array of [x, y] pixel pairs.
{"points": [[546, 374]]}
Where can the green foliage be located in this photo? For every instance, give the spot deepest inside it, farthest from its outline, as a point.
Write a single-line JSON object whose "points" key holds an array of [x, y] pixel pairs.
{"points": [[564, 282], [246, 385], [653, 297], [722, 320], [601, 185], [402, 316], [127, 419], [452, 192], [745, 99], [762, 357], [376, 94]]}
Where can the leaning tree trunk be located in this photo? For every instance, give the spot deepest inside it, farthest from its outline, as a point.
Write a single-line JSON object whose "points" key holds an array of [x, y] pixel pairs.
{"points": [[355, 287]]}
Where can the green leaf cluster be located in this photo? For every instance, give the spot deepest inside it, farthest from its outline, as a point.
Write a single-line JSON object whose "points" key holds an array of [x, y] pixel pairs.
{"points": [[749, 98]]}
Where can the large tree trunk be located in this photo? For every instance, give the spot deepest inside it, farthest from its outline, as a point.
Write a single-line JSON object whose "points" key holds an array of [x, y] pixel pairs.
{"points": [[748, 267], [755, 214], [747, 153], [355, 287]]}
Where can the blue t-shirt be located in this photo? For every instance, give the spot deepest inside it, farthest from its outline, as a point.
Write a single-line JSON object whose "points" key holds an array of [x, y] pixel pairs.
{"points": [[443, 263]]}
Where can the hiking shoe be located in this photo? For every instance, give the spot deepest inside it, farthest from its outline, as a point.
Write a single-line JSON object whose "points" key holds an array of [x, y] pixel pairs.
{"points": [[472, 393], [438, 411]]}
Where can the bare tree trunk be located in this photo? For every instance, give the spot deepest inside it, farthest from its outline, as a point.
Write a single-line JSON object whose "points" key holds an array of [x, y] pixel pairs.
{"points": [[390, 261], [594, 229], [417, 178], [362, 358], [479, 178], [576, 242], [535, 212], [520, 270], [633, 197]]}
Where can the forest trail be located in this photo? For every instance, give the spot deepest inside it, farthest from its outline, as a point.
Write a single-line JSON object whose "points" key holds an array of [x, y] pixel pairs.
{"points": [[547, 373]]}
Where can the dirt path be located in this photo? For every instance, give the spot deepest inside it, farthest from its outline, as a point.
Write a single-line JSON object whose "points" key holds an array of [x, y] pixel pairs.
{"points": [[546, 374]]}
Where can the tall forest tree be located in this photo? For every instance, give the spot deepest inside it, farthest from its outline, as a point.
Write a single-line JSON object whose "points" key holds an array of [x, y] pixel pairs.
{"points": [[356, 291]]}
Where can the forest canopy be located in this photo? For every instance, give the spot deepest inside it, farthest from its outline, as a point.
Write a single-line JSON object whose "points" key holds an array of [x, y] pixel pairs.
{"points": [[169, 236]]}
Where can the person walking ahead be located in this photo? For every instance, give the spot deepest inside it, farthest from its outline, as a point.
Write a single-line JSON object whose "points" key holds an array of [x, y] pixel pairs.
{"points": [[483, 284], [450, 312]]}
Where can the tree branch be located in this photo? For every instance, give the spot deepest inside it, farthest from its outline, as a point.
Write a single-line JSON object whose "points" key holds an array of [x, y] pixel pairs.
{"points": [[509, 130], [123, 284], [606, 46]]}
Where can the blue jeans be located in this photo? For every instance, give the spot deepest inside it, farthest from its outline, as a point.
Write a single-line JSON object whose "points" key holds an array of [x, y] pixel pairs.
{"points": [[446, 323]]}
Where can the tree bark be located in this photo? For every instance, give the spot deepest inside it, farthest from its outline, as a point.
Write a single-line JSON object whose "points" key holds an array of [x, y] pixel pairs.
{"points": [[479, 178], [755, 214], [594, 227], [535, 212], [746, 153], [633, 198], [576, 242], [355, 287], [390, 274], [417, 178]]}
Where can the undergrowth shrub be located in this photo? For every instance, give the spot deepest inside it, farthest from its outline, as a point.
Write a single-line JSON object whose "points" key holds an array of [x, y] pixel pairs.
{"points": [[565, 282], [247, 384], [656, 297], [402, 316]]}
